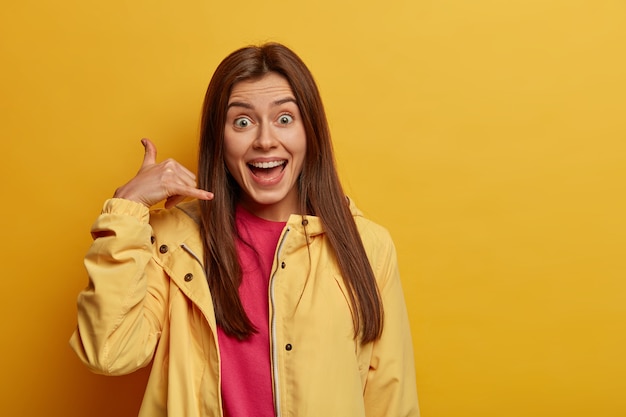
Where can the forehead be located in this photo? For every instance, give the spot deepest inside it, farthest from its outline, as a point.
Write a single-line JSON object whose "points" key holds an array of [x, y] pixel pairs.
{"points": [[271, 85]]}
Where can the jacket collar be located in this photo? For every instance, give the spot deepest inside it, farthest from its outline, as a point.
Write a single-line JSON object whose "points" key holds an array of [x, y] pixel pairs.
{"points": [[313, 224]]}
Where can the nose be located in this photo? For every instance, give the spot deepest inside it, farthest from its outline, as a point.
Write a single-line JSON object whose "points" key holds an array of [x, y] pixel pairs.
{"points": [[265, 139]]}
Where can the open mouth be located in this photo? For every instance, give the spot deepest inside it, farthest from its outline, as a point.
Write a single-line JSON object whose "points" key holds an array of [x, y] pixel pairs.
{"points": [[267, 170]]}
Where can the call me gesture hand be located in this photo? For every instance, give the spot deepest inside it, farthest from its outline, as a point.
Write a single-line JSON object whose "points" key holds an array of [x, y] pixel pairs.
{"points": [[167, 180]]}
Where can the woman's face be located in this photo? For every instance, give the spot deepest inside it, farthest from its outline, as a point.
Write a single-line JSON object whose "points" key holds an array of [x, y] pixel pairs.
{"points": [[265, 145]]}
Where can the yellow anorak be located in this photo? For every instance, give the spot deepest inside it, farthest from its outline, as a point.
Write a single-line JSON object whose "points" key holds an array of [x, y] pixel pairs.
{"points": [[148, 300]]}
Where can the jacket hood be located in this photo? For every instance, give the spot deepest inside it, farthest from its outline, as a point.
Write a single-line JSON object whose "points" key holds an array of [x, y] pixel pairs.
{"points": [[313, 224]]}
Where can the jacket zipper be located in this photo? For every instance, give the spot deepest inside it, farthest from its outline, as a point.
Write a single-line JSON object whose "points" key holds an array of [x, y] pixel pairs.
{"points": [[273, 329]]}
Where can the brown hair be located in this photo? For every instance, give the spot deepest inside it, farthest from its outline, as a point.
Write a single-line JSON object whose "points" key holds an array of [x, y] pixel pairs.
{"points": [[320, 192]]}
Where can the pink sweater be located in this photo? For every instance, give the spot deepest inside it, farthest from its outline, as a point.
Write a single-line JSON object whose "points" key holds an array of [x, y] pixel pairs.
{"points": [[246, 373]]}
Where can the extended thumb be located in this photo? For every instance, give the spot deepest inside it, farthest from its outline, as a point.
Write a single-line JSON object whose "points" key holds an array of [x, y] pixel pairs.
{"points": [[149, 157]]}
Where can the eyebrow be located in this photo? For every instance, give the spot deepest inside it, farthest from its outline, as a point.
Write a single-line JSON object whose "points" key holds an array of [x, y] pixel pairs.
{"points": [[249, 106]]}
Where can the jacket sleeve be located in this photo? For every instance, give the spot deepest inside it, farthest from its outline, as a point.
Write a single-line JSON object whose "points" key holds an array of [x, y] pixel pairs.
{"points": [[120, 313], [390, 390]]}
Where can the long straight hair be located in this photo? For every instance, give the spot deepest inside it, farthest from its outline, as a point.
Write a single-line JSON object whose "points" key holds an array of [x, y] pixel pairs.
{"points": [[319, 189]]}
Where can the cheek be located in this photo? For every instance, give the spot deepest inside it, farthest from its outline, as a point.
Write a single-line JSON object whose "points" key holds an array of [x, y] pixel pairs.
{"points": [[232, 154], [298, 154], [297, 144]]}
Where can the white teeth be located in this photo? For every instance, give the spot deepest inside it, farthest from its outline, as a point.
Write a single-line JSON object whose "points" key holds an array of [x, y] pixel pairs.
{"points": [[266, 165]]}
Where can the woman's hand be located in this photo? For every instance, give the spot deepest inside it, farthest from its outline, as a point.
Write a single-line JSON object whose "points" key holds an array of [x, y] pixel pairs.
{"points": [[167, 180]]}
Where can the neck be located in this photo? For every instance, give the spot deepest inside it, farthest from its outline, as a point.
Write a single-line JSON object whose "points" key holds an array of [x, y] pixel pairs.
{"points": [[271, 212]]}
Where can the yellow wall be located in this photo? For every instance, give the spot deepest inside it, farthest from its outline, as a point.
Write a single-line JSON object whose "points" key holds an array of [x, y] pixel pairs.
{"points": [[488, 136]]}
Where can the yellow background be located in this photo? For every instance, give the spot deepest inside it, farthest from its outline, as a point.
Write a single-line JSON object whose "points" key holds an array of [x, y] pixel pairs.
{"points": [[488, 136]]}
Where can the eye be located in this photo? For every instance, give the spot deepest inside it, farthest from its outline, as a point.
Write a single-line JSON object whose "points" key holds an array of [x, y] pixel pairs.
{"points": [[242, 122], [285, 119]]}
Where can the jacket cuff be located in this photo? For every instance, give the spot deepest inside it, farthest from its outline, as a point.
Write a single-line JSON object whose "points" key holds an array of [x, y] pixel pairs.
{"points": [[126, 207]]}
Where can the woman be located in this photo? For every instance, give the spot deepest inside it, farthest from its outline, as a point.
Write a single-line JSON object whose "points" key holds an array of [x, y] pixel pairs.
{"points": [[303, 314]]}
